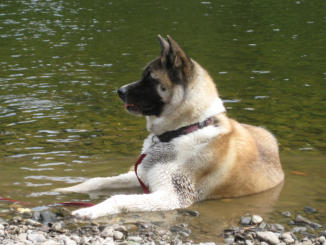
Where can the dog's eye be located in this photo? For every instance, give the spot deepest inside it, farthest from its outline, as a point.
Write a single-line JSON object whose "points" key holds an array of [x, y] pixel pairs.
{"points": [[162, 88]]}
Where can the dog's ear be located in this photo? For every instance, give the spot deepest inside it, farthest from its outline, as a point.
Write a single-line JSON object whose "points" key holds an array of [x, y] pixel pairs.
{"points": [[178, 60], [165, 49]]}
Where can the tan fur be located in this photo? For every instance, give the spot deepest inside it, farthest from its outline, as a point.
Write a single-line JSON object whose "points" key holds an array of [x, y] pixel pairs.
{"points": [[252, 154]]}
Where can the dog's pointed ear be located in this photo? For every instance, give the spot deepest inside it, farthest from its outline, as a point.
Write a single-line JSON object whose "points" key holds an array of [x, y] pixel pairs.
{"points": [[179, 59], [165, 48]]}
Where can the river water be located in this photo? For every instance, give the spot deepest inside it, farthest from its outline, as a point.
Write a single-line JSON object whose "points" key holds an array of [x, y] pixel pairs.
{"points": [[62, 61]]}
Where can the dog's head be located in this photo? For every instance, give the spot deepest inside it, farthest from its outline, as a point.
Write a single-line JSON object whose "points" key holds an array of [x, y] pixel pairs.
{"points": [[163, 82]]}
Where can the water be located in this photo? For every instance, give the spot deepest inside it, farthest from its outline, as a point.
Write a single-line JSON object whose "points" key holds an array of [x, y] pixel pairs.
{"points": [[62, 61]]}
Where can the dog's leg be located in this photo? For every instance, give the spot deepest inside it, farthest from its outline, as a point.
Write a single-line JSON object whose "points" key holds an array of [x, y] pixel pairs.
{"points": [[159, 200], [127, 180]]}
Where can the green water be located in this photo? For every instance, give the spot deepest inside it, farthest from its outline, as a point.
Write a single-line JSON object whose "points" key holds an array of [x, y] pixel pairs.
{"points": [[62, 61]]}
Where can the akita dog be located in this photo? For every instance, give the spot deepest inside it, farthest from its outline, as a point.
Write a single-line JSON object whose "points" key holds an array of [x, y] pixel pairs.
{"points": [[194, 151]]}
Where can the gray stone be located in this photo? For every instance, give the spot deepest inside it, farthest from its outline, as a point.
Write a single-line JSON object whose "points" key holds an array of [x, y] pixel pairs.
{"points": [[277, 227], [245, 220], [287, 238], [302, 220], [107, 232], [298, 229], [322, 239], [256, 219], [309, 209], [286, 213], [51, 242], [229, 240], [268, 236], [135, 238], [2, 227], [306, 241], [108, 241], [117, 235], [66, 240], [36, 237], [248, 242], [32, 223]]}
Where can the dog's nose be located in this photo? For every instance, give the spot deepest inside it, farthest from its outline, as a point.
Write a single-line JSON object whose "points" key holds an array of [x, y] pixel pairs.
{"points": [[122, 92]]}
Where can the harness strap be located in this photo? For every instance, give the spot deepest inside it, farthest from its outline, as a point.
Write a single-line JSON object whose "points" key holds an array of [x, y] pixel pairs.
{"points": [[139, 160]]}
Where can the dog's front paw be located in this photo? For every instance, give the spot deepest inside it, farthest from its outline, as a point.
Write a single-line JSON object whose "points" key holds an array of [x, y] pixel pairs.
{"points": [[87, 213]]}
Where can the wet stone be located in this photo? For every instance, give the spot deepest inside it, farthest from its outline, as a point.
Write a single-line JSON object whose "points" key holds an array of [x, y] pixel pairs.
{"points": [[286, 213], [309, 209], [245, 220], [299, 229]]}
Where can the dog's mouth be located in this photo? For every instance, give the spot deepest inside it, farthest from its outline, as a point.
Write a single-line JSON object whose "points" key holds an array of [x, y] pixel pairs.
{"points": [[132, 108]]}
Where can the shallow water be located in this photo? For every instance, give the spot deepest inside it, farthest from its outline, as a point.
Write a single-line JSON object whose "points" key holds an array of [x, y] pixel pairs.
{"points": [[62, 61]]}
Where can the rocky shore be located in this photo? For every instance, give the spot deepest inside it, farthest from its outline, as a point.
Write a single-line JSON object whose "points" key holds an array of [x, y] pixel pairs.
{"points": [[54, 228]]}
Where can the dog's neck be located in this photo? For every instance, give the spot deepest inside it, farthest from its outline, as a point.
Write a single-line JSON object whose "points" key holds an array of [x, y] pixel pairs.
{"points": [[159, 125]]}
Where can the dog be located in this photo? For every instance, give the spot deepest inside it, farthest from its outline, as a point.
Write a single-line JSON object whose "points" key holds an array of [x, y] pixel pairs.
{"points": [[194, 152]]}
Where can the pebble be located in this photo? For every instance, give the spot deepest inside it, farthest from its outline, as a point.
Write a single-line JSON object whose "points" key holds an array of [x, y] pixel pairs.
{"points": [[107, 232], [309, 209], [36, 237], [302, 220], [286, 213], [117, 235], [287, 237], [268, 237], [256, 219], [299, 229], [245, 220], [26, 231]]}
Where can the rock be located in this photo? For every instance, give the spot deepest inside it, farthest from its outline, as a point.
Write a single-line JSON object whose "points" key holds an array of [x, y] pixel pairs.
{"points": [[309, 209], [287, 238], [268, 236], [117, 235], [306, 241], [277, 227], [256, 219], [57, 227], [107, 232], [322, 239], [51, 242], [286, 213], [2, 227], [302, 220], [298, 229], [36, 237], [32, 222], [245, 220], [248, 242], [66, 240], [323, 233], [229, 240], [135, 239]]}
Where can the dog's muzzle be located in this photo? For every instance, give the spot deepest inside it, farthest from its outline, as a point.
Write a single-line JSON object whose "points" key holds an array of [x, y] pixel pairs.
{"points": [[122, 92]]}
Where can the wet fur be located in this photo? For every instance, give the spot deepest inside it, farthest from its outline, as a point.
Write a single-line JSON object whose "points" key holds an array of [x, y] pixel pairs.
{"points": [[228, 159]]}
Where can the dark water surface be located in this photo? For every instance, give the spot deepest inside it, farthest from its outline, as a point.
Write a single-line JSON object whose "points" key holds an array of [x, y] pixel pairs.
{"points": [[62, 61]]}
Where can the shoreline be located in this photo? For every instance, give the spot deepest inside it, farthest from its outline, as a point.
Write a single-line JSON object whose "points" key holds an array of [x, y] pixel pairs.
{"points": [[60, 228]]}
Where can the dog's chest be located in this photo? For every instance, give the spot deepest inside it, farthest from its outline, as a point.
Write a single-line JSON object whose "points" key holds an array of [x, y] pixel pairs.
{"points": [[159, 153]]}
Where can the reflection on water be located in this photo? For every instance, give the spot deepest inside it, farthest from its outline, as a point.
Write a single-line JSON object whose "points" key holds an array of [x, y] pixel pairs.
{"points": [[62, 61]]}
